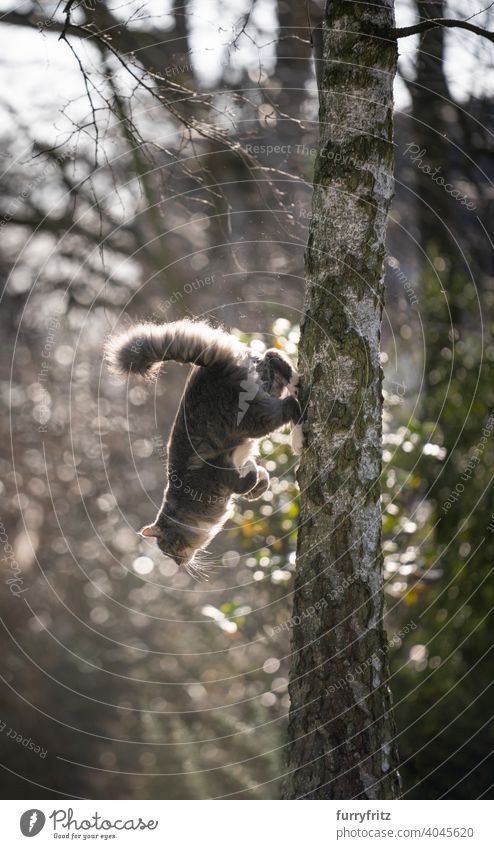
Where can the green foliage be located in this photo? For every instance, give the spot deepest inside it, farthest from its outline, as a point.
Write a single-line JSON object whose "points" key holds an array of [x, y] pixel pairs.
{"points": [[440, 495]]}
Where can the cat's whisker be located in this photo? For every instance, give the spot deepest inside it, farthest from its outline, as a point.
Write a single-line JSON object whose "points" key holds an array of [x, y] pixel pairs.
{"points": [[207, 566], [202, 571], [196, 570], [190, 571]]}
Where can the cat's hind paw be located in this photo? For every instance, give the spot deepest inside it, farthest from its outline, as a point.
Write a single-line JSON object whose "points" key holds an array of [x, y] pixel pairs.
{"points": [[261, 486]]}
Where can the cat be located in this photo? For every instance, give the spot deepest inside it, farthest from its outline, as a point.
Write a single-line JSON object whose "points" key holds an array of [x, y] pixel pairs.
{"points": [[233, 396]]}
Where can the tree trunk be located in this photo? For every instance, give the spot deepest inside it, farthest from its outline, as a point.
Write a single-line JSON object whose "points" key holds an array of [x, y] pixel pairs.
{"points": [[340, 728], [428, 128]]}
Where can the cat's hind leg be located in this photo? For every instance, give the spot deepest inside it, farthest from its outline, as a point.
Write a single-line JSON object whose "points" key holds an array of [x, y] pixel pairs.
{"points": [[266, 414], [275, 372], [244, 480], [280, 379], [261, 486], [251, 480]]}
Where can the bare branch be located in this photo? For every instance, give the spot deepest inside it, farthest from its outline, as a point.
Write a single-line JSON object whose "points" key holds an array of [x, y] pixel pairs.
{"points": [[423, 26], [41, 24], [66, 11]]}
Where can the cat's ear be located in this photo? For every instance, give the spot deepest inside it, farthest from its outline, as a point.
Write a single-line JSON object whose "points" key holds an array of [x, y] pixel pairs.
{"points": [[150, 531]]}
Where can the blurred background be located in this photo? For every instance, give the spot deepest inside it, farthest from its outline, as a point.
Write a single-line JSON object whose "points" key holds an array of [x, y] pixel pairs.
{"points": [[157, 162]]}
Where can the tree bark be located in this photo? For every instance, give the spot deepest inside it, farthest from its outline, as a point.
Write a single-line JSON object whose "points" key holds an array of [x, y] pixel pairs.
{"points": [[341, 732]]}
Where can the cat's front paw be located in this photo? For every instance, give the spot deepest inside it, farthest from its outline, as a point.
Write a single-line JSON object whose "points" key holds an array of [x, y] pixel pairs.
{"points": [[297, 439], [294, 385], [292, 410]]}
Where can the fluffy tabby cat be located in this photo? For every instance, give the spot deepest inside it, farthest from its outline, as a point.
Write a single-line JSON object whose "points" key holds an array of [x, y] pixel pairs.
{"points": [[232, 398]]}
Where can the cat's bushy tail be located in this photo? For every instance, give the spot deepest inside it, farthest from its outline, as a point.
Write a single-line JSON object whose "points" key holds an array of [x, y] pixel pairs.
{"points": [[144, 347]]}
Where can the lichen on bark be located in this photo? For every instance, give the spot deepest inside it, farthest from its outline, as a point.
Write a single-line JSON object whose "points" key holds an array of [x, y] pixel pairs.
{"points": [[341, 733]]}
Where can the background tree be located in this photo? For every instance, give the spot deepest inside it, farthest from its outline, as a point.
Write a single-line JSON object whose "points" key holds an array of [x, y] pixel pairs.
{"points": [[449, 674]]}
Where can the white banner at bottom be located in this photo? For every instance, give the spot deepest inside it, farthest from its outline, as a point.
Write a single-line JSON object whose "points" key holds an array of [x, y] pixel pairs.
{"points": [[243, 825]]}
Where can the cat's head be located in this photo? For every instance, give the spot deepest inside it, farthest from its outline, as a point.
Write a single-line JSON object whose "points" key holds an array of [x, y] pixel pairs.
{"points": [[172, 540]]}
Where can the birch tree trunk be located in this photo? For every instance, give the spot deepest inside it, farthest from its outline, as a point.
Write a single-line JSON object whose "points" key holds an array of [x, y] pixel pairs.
{"points": [[340, 728]]}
